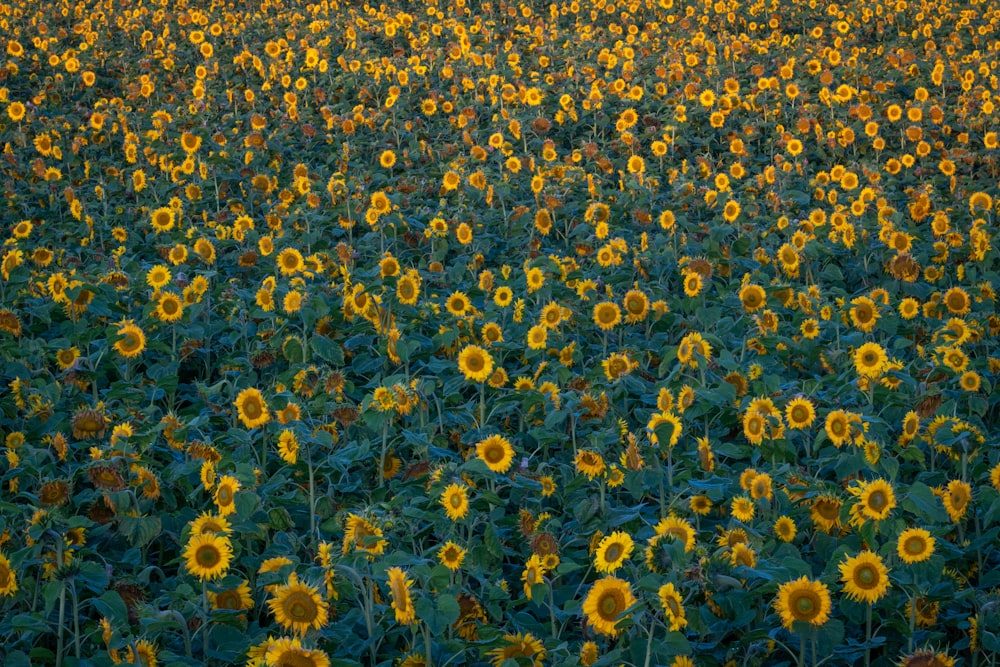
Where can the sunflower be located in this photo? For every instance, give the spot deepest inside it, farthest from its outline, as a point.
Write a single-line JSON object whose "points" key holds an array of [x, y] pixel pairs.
{"points": [[800, 413], [636, 306], [590, 463], [158, 276], [607, 315], [957, 497], [533, 574], [524, 646], [693, 283], [210, 523], [288, 447], [455, 501], [408, 289], [131, 341], [613, 551], [677, 528], [537, 337], [162, 219], [915, 545], [753, 298], [8, 577], [496, 452], [491, 333], [784, 529], [870, 360], [475, 363], [754, 424], [503, 296], [458, 304], [606, 602], [451, 555], [924, 613], [956, 300], [143, 655], [169, 307], [236, 599], [402, 602], [67, 358], [926, 658], [803, 600], [838, 427], [742, 509], [289, 652], [298, 606], [673, 608], [251, 408], [207, 555], [865, 577], [589, 653], [825, 512], [657, 423], [225, 495], [995, 476], [876, 500], [864, 314]]}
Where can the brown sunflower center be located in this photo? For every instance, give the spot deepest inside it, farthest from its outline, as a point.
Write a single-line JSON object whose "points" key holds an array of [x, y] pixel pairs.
{"points": [[208, 556], [866, 577], [611, 605], [614, 552], [475, 362], [877, 501], [805, 605], [455, 500], [300, 607], [251, 409], [914, 545], [494, 454]]}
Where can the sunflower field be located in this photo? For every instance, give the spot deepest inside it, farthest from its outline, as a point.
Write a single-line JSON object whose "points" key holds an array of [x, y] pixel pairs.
{"points": [[440, 333]]}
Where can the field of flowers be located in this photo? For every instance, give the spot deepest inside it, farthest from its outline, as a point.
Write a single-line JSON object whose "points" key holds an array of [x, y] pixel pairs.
{"points": [[660, 332]]}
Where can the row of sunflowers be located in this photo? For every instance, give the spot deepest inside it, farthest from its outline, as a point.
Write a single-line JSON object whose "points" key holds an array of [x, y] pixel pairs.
{"points": [[656, 332]]}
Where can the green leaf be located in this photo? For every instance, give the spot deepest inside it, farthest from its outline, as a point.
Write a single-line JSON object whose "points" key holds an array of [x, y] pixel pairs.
{"points": [[921, 501]]}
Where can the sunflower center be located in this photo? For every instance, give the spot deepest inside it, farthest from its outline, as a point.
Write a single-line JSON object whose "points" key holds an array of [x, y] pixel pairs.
{"points": [[475, 362], [295, 658], [610, 605], [877, 501], [225, 495], [614, 552], [494, 454], [914, 545], [300, 607], [251, 409], [866, 577], [805, 605], [4, 576], [455, 501], [828, 510], [208, 556], [228, 600]]}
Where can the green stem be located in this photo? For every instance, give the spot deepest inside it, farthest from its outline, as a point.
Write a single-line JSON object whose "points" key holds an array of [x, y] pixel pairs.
{"points": [[868, 636]]}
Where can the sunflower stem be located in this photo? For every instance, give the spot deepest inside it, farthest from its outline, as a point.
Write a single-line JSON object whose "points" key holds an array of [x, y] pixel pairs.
{"points": [[649, 643], [868, 635], [385, 445], [427, 644], [76, 618], [312, 494], [482, 404], [62, 620]]}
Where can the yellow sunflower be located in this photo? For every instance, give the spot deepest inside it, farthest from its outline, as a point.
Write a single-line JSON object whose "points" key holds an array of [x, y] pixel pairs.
{"points": [[402, 602], [169, 307], [290, 261], [8, 577], [252, 408], [803, 600], [915, 545], [524, 646], [162, 219], [131, 341], [677, 528], [753, 298], [455, 501], [876, 499], [800, 413], [590, 463], [451, 555], [298, 607], [458, 304], [957, 497], [363, 535], [289, 652], [870, 360], [825, 512], [673, 607], [207, 555], [475, 363], [496, 452], [636, 306], [607, 315], [865, 577], [605, 603], [784, 529], [225, 495], [658, 421], [236, 599], [613, 551]]}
